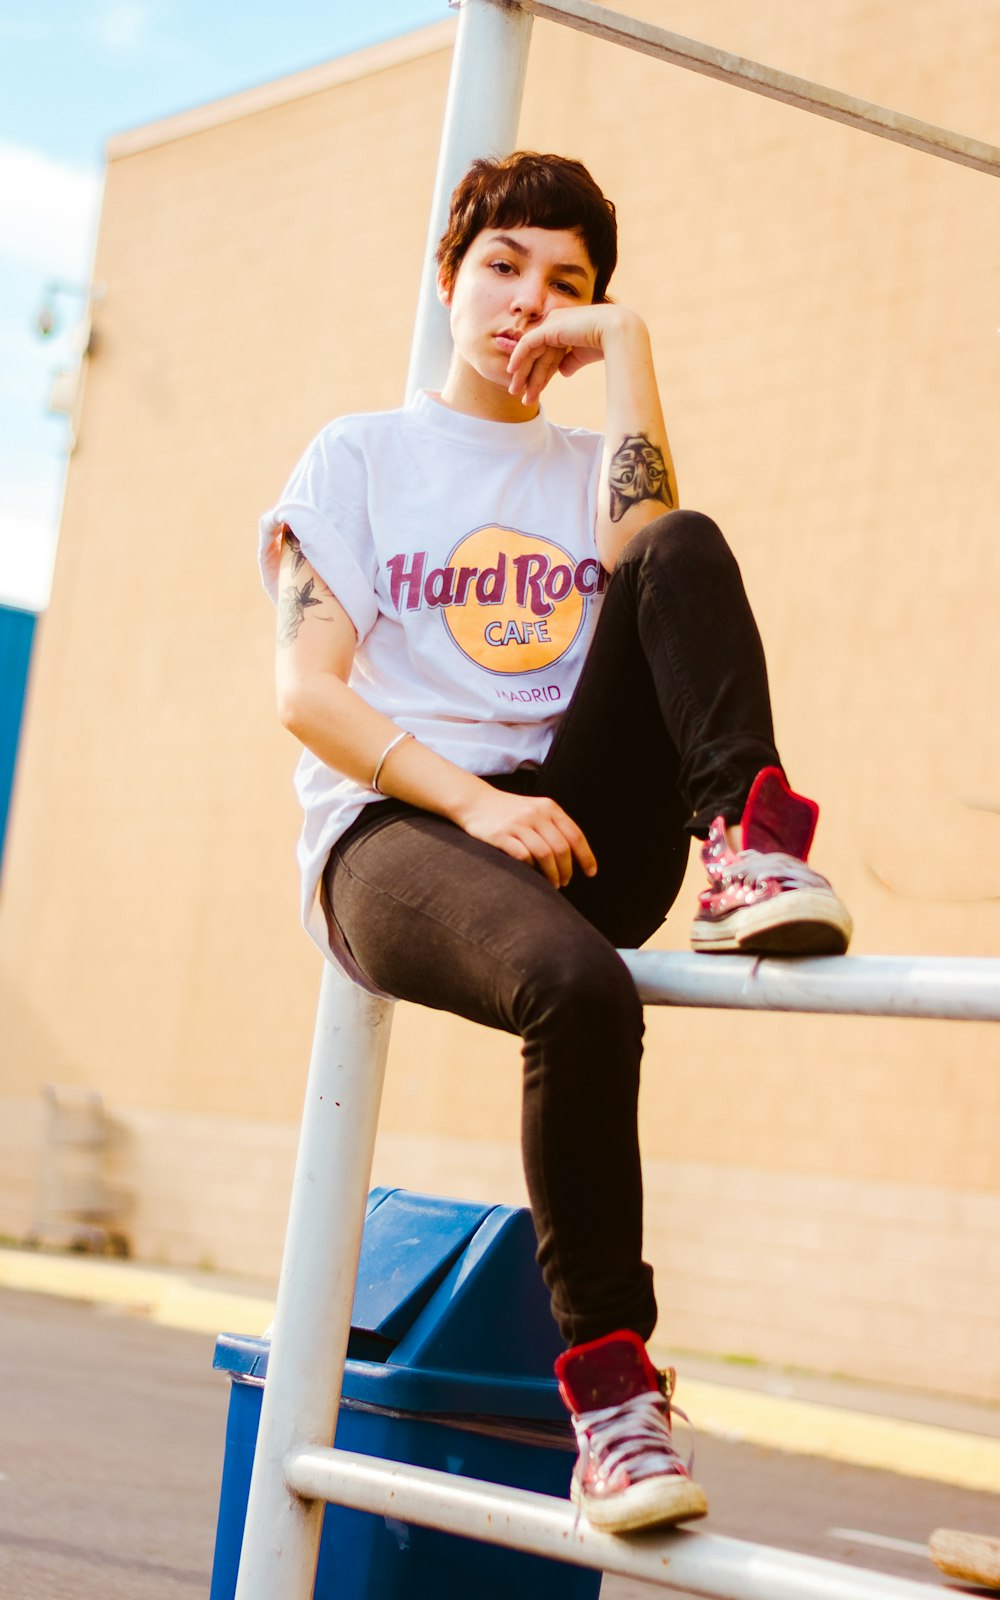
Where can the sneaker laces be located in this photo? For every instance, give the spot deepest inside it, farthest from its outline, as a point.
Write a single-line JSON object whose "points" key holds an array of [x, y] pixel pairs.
{"points": [[757, 865], [638, 1426]]}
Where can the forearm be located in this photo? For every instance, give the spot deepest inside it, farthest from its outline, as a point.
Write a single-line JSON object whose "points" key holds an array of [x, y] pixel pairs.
{"points": [[347, 734], [638, 481]]}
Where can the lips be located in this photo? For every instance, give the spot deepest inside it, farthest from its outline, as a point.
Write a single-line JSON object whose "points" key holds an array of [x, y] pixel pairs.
{"points": [[507, 340]]}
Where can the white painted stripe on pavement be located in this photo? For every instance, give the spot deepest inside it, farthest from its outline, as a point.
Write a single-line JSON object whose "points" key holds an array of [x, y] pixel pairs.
{"points": [[880, 1541]]}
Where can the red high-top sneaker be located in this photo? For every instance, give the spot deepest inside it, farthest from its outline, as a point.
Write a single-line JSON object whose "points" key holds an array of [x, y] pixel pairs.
{"points": [[763, 899], [629, 1475]]}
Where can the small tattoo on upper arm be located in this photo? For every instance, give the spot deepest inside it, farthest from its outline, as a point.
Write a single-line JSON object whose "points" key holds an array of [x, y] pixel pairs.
{"points": [[637, 472], [295, 601], [288, 538]]}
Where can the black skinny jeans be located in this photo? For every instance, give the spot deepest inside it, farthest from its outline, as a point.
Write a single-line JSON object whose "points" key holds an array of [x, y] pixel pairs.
{"points": [[668, 727]]}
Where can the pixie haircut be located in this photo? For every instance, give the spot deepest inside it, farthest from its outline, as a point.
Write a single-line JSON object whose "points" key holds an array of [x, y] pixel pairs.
{"points": [[527, 190]]}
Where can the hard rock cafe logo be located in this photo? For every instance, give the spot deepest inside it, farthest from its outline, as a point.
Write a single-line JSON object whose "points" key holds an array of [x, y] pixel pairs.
{"points": [[511, 603]]}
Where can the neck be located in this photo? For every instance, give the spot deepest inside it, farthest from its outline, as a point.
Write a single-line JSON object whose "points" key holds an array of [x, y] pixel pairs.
{"points": [[467, 390]]}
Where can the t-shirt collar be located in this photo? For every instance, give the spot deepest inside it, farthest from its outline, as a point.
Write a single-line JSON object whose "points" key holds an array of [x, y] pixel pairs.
{"points": [[459, 427]]}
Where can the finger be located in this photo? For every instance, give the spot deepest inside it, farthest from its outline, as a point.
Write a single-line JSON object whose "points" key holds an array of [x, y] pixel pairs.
{"points": [[582, 851], [542, 855], [531, 342], [562, 853], [572, 835], [542, 372], [580, 847], [520, 363], [576, 359], [542, 376], [531, 347], [526, 370], [576, 839], [514, 847]]}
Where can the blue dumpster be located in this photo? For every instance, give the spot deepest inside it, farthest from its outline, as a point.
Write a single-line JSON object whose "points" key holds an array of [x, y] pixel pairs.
{"points": [[449, 1366]]}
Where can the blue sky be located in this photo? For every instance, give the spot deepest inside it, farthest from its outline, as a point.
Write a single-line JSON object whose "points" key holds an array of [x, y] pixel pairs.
{"points": [[73, 72]]}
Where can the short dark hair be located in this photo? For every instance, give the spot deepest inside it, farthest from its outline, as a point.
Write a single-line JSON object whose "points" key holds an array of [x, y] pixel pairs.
{"points": [[528, 190]]}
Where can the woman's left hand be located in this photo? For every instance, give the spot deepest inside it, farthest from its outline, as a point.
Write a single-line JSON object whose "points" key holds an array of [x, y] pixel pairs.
{"points": [[564, 341]]}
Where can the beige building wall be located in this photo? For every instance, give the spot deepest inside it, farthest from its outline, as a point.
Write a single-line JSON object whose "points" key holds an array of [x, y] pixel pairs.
{"points": [[821, 1192]]}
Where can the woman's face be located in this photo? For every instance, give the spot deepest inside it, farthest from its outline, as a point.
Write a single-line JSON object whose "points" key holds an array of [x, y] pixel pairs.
{"points": [[508, 281]]}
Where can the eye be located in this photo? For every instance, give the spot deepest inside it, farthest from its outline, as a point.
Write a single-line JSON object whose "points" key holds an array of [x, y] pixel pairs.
{"points": [[504, 268], [568, 288]]}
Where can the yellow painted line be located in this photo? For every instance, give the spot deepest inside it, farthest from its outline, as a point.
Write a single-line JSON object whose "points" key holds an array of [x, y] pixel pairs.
{"points": [[915, 1449], [166, 1298]]}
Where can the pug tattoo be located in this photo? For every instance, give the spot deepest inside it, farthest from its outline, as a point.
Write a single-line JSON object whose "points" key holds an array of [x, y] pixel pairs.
{"points": [[637, 472]]}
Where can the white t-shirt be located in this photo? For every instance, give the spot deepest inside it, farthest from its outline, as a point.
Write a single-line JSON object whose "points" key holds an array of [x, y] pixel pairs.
{"points": [[463, 552]]}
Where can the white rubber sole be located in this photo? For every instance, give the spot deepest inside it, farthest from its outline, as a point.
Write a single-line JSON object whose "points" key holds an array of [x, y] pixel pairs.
{"points": [[651, 1503], [799, 922]]}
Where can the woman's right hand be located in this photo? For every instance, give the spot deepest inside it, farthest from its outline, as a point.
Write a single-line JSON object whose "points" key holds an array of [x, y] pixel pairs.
{"points": [[531, 828]]}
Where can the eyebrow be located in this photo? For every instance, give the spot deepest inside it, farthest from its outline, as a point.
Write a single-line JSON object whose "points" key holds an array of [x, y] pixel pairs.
{"points": [[566, 268]]}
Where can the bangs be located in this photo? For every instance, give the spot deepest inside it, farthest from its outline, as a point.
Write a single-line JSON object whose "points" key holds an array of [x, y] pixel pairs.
{"points": [[527, 190]]}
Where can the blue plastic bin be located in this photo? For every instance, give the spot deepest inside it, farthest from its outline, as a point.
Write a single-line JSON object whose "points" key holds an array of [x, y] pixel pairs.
{"points": [[449, 1366]]}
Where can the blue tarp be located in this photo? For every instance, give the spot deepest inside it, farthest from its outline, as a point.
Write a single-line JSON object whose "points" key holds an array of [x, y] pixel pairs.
{"points": [[17, 629]]}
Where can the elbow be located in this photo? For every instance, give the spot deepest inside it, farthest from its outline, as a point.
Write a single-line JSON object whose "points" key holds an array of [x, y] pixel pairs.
{"points": [[292, 708]]}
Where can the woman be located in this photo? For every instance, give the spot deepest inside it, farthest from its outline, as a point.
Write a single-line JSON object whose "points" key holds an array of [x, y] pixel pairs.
{"points": [[524, 680]]}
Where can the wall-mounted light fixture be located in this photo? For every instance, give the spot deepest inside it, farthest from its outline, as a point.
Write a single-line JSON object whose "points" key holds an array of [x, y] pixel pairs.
{"points": [[67, 382], [48, 318]]}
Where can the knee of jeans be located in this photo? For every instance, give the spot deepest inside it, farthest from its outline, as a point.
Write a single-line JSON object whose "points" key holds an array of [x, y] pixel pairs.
{"points": [[684, 539], [582, 989]]}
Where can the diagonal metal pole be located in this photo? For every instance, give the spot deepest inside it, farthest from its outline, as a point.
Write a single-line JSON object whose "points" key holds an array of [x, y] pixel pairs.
{"points": [[616, 28]]}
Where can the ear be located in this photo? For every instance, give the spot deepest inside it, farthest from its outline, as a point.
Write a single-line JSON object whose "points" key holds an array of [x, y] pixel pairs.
{"points": [[444, 287]]}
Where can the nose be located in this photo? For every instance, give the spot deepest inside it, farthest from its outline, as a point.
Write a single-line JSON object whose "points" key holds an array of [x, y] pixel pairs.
{"points": [[528, 298]]}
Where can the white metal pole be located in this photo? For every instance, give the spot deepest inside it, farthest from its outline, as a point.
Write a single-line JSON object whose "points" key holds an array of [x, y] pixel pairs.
{"points": [[480, 119], [326, 1219], [316, 1289]]}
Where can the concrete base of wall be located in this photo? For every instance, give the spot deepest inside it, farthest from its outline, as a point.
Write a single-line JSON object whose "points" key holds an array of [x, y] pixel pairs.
{"points": [[878, 1281]]}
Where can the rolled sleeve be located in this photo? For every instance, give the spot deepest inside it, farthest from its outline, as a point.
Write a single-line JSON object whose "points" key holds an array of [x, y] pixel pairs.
{"points": [[325, 505]]}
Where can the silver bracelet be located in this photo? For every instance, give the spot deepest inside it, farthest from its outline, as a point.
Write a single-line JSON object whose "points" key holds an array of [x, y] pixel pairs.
{"points": [[390, 747]]}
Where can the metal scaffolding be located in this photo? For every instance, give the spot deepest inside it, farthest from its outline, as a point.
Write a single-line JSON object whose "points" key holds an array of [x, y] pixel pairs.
{"points": [[295, 1470]]}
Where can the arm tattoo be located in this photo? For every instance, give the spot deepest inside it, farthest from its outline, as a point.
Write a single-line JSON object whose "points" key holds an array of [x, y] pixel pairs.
{"points": [[292, 607], [296, 599], [637, 472], [288, 538]]}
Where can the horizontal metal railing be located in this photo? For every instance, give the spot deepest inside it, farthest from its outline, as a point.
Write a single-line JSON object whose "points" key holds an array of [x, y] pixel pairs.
{"points": [[702, 1563], [954, 988]]}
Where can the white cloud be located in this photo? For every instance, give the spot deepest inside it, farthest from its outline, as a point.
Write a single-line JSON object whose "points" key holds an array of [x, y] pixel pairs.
{"points": [[48, 211], [122, 28], [28, 532]]}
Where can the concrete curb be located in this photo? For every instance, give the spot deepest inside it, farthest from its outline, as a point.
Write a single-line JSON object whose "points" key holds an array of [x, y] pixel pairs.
{"points": [[199, 1304], [856, 1438]]}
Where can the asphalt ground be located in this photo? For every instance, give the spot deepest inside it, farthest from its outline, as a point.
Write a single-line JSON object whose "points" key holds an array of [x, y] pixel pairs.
{"points": [[112, 1428]]}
